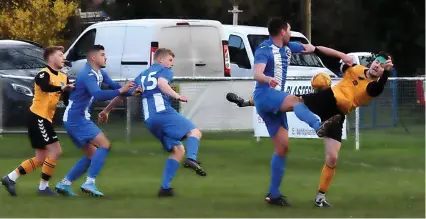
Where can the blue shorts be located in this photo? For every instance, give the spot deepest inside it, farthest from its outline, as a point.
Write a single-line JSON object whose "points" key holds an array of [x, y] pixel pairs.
{"points": [[169, 128], [268, 102], [82, 133]]}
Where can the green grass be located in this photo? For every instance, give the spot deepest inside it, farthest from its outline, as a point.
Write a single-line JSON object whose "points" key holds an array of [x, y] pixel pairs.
{"points": [[386, 178]]}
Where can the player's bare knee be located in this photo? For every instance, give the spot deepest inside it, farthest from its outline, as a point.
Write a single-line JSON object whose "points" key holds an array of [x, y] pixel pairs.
{"points": [[101, 141], [331, 159], [54, 150], [89, 150], [289, 103], [40, 156], [106, 145], [57, 153], [178, 152], [196, 133], [281, 149]]}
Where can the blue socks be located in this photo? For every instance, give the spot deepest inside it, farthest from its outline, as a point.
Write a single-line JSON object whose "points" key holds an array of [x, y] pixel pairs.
{"points": [[303, 113], [277, 174], [98, 161], [192, 144], [78, 169], [170, 170]]}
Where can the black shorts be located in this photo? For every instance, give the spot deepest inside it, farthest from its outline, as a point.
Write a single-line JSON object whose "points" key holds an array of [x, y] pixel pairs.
{"points": [[324, 105], [40, 132]]}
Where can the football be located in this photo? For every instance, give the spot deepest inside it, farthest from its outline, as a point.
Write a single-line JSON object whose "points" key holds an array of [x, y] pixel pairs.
{"points": [[321, 81]]}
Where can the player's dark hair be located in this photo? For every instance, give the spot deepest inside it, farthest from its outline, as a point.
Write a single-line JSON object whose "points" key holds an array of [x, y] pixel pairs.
{"points": [[96, 48], [275, 25], [51, 50], [383, 54]]}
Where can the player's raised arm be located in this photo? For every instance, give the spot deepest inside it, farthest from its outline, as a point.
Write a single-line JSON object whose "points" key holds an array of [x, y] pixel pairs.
{"points": [[108, 81], [92, 86], [297, 47], [347, 59]]}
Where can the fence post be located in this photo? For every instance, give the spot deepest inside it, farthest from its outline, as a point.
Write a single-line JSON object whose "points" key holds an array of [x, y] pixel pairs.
{"points": [[394, 87], [128, 118], [1, 106]]}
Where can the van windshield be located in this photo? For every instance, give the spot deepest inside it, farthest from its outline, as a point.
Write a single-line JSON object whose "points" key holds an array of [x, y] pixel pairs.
{"points": [[308, 60], [21, 57]]}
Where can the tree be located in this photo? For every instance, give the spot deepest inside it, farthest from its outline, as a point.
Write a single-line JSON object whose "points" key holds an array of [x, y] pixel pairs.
{"points": [[38, 20]]}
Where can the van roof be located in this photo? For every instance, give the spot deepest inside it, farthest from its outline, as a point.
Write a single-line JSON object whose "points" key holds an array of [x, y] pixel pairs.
{"points": [[360, 53], [155, 22], [254, 30]]}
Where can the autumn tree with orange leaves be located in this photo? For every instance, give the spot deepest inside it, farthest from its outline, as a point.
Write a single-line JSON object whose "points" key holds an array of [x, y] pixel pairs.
{"points": [[40, 21]]}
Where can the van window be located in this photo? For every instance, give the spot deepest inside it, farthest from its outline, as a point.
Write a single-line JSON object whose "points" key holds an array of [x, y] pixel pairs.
{"points": [[238, 52], [84, 44], [308, 60]]}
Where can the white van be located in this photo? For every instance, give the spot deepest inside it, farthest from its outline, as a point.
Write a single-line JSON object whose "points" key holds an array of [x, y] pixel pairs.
{"points": [[200, 46], [243, 40]]}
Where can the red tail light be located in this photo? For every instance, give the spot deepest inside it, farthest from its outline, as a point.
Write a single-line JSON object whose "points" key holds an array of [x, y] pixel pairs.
{"points": [[154, 47], [182, 23], [226, 59]]}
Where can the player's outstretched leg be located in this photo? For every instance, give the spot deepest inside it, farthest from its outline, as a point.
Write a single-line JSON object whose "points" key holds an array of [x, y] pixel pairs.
{"points": [[96, 164], [170, 169], [280, 140], [192, 145], [295, 104], [24, 168], [234, 98], [54, 151]]}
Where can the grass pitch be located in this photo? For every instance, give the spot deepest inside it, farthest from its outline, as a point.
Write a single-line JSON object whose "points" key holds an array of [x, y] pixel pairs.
{"points": [[386, 178]]}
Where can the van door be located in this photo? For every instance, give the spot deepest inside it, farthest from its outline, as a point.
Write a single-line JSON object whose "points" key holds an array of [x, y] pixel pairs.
{"points": [[136, 52], [177, 38], [112, 38], [207, 51]]}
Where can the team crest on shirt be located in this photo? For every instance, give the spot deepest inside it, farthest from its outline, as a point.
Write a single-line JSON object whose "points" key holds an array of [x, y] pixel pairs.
{"points": [[288, 53], [100, 79], [99, 76]]}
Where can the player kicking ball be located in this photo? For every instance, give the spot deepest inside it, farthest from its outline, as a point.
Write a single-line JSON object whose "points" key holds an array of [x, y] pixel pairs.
{"points": [[82, 131], [271, 61], [358, 87], [163, 121]]}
